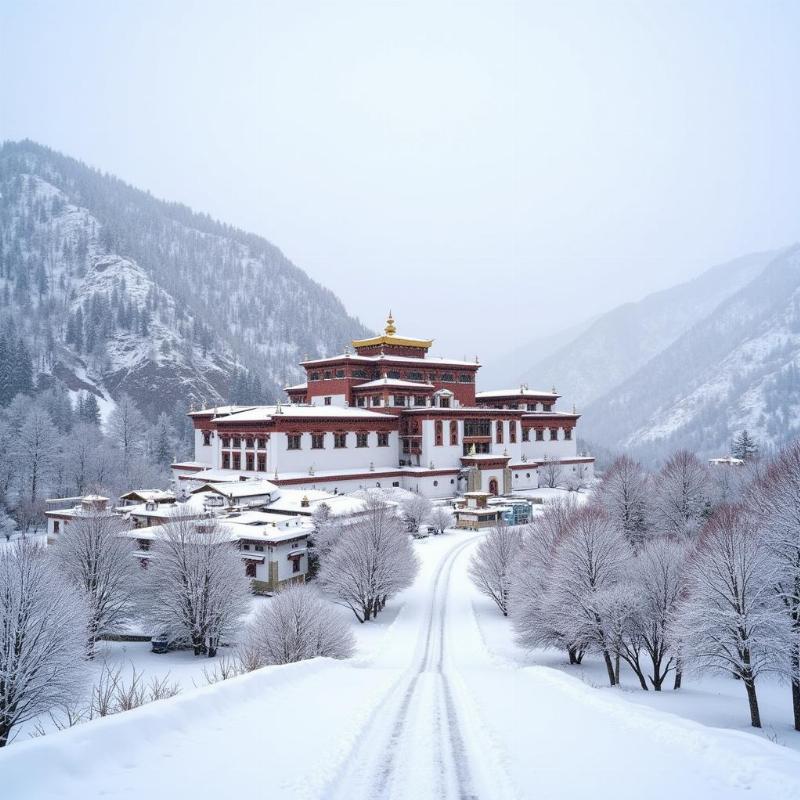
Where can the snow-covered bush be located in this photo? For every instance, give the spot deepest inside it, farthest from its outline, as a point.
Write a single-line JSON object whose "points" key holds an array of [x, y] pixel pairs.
{"points": [[371, 560], [731, 620], [43, 626], [682, 495], [298, 623], [624, 494], [490, 567], [416, 510], [195, 585], [441, 518], [94, 556]]}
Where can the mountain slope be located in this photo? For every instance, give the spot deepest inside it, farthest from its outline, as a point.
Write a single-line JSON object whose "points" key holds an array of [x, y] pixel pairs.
{"points": [[115, 291], [623, 340], [737, 368]]}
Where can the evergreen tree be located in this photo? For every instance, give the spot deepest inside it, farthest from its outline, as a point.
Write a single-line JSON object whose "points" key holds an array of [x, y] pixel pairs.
{"points": [[744, 447]]}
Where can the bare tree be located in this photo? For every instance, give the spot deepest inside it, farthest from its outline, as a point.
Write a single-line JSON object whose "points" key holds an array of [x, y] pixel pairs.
{"points": [[298, 623], [536, 623], [97, 559], [775, 497], [731, 620], [372, 560], [416, 510], [490, 567], [441, 518], [127, 428], [591, 558], [624, 494], [195, 585], [682, 495], [550, 472], [37, 447], [42, 638]]}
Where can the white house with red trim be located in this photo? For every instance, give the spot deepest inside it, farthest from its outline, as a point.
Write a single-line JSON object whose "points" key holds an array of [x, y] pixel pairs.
{"points": [[389, 415]]}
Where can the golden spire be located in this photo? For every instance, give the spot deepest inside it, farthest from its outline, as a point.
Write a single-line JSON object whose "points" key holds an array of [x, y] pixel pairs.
{"points": [[390, 329]]}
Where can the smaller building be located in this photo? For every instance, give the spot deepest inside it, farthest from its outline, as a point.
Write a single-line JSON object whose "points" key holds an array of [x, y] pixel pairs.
{"points": [[64, 510], [474, 512]]}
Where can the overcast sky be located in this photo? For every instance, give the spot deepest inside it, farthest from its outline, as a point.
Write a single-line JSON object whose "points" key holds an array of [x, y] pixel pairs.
{"points": [[491, 170]]}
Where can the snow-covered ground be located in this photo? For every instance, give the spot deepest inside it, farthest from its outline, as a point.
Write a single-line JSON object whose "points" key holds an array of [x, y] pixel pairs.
{"points": [[437, 703]]}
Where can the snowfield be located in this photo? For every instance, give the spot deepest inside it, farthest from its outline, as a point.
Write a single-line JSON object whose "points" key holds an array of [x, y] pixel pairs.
{"points": [[430, 707]]}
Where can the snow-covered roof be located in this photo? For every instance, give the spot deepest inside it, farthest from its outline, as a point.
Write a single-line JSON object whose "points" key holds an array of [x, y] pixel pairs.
{"points": [[217, 411], [296, 388], [216, 475], [239, 488], [380, 382], [437, 360], [149, 496], [291, 500], [267, 413], [520, 391]]}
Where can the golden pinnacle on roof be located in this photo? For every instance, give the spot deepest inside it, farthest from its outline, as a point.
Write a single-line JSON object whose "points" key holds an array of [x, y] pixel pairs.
{"points": [[390, 329]]}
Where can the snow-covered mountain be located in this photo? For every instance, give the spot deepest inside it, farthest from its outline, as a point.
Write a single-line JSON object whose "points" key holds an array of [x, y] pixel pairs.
{"points": [[736, 368], [114, 291], [613, 347]]}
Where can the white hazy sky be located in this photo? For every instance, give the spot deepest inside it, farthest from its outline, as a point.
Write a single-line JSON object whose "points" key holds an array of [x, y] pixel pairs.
{"points": [[491, 170]]}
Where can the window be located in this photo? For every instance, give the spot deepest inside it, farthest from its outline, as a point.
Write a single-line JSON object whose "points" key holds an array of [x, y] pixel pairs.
{"points": [[499, 432], [57, 525], [415, 376], [512, 431], [567, 434], [295, 565], [540, 434], [326, 375], [360, 401], [395, 484], [261, 462], [293, 441], [526, 435], [383, 440], [259, 548], [444, 402], [250, 462], [436, 483], [314, 376], [437, 427], [236, 460], [237, 441], [527, 474], [340, 440], [249, 441], [553, 434], [262, 442], [359, 373], [394, 374], [376, 399], [340, 373], [206, 438], [453, 432], [226, 441], [361, 439], [465, 377], [419, 400], [226, 461], [317, 441], [250, 569], [477, 427], [546, 406], [448, 377], [327, 401]]}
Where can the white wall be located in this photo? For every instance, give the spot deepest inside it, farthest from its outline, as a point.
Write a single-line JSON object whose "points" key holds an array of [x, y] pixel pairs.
{"points": [[206, 454], [330, 457], [556, 448], [336, 400]]}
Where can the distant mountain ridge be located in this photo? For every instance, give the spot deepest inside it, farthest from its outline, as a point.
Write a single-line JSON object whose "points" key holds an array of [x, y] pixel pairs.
{"points": [[618, 343], [737, 368], [115, 291]]}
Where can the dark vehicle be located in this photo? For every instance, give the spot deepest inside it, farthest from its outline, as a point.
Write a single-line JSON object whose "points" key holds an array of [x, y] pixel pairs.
{"points": [[159, 644]]}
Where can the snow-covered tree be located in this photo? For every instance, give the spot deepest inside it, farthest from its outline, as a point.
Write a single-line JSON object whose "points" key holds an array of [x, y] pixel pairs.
{"points": [[550, 472], [731, 620], [298, 623], [127, 428], [744, 446], [195, 584], [326, 531], [440, 518], [491, 565], [416, 510], [372, 560], [624, 494], [536, 622], [681, 501], [37, 447], [659, 584], [97, 559], [42, 637], [7, 525], [590, 559], [775, 497]]}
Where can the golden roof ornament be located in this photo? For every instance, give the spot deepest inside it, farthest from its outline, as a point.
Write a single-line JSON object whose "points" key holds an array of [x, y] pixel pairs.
{"points": [[390, 329]]}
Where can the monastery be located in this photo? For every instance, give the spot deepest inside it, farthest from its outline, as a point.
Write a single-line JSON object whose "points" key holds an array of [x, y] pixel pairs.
{"points": [[389, 415]]}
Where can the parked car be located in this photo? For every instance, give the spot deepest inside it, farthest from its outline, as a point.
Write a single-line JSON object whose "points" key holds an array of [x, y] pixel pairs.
{"points": [[423, 531], [160, 644]]}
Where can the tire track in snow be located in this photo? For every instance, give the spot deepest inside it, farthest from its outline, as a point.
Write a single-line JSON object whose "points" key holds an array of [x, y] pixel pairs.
{"points": [[371, 770]]}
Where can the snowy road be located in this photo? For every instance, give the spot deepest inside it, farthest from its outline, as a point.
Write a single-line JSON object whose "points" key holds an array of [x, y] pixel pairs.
{"points": [[425, 712]]}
